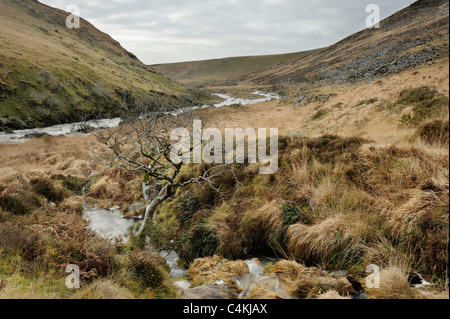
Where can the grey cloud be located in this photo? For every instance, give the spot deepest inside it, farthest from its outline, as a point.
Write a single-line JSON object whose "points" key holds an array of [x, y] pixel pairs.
{"points": [[184, 30]]}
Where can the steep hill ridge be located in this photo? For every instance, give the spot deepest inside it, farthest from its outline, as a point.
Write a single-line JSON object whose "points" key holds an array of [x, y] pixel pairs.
{"points": [[413, 36], [50, 74]]}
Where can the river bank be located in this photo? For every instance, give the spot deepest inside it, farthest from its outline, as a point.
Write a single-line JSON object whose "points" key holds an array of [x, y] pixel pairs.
{"points": [[73, 129]]}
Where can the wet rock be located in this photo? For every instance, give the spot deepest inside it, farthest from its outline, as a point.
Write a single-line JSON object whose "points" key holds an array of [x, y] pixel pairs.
{"points": [[355, 284], [182, 285], [36, 135], [417, 280], [135, 207], [85, 128], [15, 124]]}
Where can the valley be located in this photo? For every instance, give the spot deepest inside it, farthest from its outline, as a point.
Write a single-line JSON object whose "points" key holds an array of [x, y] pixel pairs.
{"points": [[363, 174]]}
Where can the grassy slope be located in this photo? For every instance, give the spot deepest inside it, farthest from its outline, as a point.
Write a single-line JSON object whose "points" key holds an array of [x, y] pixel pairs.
{"points": [[355, 58], [49, 72], [222, 71]]}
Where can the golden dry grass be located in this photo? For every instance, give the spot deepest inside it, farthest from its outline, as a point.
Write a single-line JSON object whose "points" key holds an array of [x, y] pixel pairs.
{"points": [[303, 282], [372, 121], [332, 295], [103, 289], [319, 240], [262, 293], [213, 269]]}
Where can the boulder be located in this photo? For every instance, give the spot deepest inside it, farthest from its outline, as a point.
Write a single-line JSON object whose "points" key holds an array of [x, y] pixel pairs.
{"points": [[299, 99], [16, 124], [36, 135]]}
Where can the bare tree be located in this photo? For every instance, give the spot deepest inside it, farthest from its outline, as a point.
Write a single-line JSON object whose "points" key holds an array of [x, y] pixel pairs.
{"points": [[143, 145]]}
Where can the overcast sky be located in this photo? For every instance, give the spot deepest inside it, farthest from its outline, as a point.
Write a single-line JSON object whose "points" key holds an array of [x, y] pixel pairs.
{"points": [[162, 31]]}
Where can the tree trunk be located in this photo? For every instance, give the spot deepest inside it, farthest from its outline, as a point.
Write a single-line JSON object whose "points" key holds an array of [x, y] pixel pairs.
{"points": [[152, 205]]}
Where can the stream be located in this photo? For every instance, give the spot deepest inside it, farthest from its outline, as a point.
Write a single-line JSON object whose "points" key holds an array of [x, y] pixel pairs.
{"points": [[71, 129], [110, 224]]}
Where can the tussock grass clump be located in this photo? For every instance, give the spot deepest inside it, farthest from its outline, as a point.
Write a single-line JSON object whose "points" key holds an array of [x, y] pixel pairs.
{"points": [[327, 243], [14, 205], [212, 269], [421, 227], [308, 282], [434, 133], [150, 269], [187, 207], [105, 188], [73, 185], [265, 226], [287, 270], [46, 188], [394, 285], [263, 293], [115, 186], [201, 240], [72, 205], [27, 242], [106, 289]]}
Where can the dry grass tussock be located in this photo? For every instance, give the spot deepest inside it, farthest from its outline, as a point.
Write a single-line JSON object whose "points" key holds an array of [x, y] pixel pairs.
{"points": [[307, 282], [394, 285], [263, 293], [49, 156], [213, 269], [269, 218], [103, 289], [320, 240]]}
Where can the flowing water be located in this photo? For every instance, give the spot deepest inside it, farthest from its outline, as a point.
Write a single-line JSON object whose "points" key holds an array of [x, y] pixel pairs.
{"points": [[19, 136], [231, 100], [110, 224]]}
